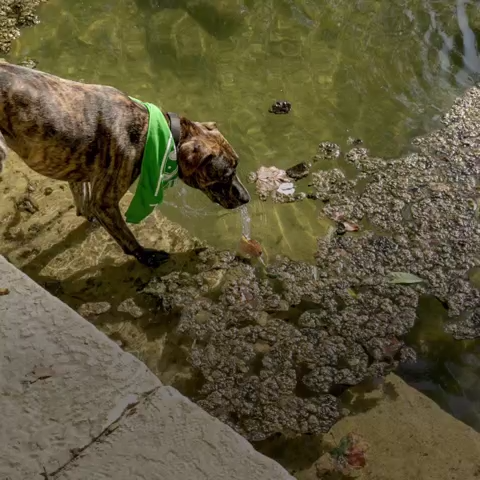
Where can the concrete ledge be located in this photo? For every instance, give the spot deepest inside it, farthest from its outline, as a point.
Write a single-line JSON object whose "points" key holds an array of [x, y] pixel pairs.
{"points": [[75, 406]]}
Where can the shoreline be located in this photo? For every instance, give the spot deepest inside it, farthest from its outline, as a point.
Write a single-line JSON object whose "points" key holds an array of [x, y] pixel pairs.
{"points": [[181, 324]]}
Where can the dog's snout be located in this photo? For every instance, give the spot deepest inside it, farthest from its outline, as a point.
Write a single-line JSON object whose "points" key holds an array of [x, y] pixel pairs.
{"points": [[240, 192]]}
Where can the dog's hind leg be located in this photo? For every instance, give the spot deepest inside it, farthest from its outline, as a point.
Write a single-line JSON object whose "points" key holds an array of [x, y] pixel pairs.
{"points": [[3, 152], [82, 196]]}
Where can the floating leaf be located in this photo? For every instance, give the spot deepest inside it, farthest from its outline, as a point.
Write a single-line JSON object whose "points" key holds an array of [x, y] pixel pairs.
{"points": [[350, 453], [404, 278], [250, 247], [350, 227]]}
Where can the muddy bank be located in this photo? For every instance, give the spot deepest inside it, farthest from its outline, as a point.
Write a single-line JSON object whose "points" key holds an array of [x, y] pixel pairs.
{"points": [[400, 434]]}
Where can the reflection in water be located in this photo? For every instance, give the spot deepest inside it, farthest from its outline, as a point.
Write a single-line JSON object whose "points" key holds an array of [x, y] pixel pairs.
{"points": [[217, 23], [380, 70], [447, 370]]}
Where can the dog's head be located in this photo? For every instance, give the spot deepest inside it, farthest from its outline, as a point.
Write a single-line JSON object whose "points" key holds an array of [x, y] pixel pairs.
{"points": [[206, 161]]}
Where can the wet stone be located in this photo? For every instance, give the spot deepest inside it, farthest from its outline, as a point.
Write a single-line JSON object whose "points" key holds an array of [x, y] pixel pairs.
{"points": [[267, 373], [129, 306], [356, 155], [354, 141], [327, 151], [299, 171], [27, 203], [280, 107], [93, 309]]}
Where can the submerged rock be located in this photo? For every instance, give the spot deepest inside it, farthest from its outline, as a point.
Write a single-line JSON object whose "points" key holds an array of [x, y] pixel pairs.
{"points": [[29, 63], [299, 171], [26, 203], [354, 141], [428, 203], [327, 151], [356, 155], [93, 309]]}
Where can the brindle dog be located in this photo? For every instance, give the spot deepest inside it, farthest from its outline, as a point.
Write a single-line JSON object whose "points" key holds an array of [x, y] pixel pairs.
{"points": [[93, 137]]}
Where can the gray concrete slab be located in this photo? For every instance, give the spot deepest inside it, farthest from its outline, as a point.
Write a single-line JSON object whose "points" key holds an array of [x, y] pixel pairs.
{"points": [[74, 405], [90, 380], [171, 438]]}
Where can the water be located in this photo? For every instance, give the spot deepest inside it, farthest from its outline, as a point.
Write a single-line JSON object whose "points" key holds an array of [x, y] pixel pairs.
{"points": [[382, 71], [375, 69], [246, 221]]}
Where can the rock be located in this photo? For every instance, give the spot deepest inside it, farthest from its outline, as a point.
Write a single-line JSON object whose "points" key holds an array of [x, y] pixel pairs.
{"points": [[327, 151], [280, 107], [129, 306], [93, 309], [356, 155], [354, 141], [299, 171], [27, 204], [252, 177], [28, 63], [13, 16], [266, 372]]}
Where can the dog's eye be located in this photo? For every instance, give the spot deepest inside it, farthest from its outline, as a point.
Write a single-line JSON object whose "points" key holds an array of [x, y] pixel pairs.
{"points": [[217, 168]]}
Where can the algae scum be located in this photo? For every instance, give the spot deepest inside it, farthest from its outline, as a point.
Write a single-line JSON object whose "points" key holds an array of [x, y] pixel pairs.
{"points": [[271, 350]]}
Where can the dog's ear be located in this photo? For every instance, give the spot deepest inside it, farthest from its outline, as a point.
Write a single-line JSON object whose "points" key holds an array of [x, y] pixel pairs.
{"points": [[210, 125], [190, 155]]}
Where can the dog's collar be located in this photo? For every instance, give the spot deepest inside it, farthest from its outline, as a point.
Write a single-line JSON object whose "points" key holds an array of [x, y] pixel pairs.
{"points": [[175, 127]]}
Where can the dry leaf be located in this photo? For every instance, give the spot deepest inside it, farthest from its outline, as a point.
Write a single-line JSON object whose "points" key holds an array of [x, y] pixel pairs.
{"points": [[350, 227], [4, 291], [338, 216], [250, 247], [345, 225], [350, 452]]}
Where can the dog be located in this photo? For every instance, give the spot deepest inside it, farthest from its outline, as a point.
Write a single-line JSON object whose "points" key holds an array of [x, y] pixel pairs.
{"points": [[93, 137]]}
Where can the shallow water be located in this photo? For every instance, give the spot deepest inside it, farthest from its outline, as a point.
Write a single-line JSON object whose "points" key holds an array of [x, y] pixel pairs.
{"points": [[379, 70], [376, 70]]}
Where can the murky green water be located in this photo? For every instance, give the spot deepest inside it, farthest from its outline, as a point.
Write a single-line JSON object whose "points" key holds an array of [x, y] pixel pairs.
{"points": [[380, 70]]}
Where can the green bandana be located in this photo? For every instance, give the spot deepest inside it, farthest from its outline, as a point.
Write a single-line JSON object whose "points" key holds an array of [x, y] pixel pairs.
{"points": [[159, 166]]}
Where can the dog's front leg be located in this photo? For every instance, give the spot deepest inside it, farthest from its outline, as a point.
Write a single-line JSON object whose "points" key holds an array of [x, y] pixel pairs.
{"points": [[110, 217]]}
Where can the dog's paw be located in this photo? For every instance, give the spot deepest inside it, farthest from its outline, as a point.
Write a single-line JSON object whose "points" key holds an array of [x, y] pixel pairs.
{"points": [[152, 258]]}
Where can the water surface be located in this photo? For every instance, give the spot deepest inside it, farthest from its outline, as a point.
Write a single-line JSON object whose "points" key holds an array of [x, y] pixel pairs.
{"points": [[380, 70]]}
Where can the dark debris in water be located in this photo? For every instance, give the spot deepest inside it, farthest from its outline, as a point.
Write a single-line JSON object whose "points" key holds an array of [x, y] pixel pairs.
{"points": [[280, 107]]}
